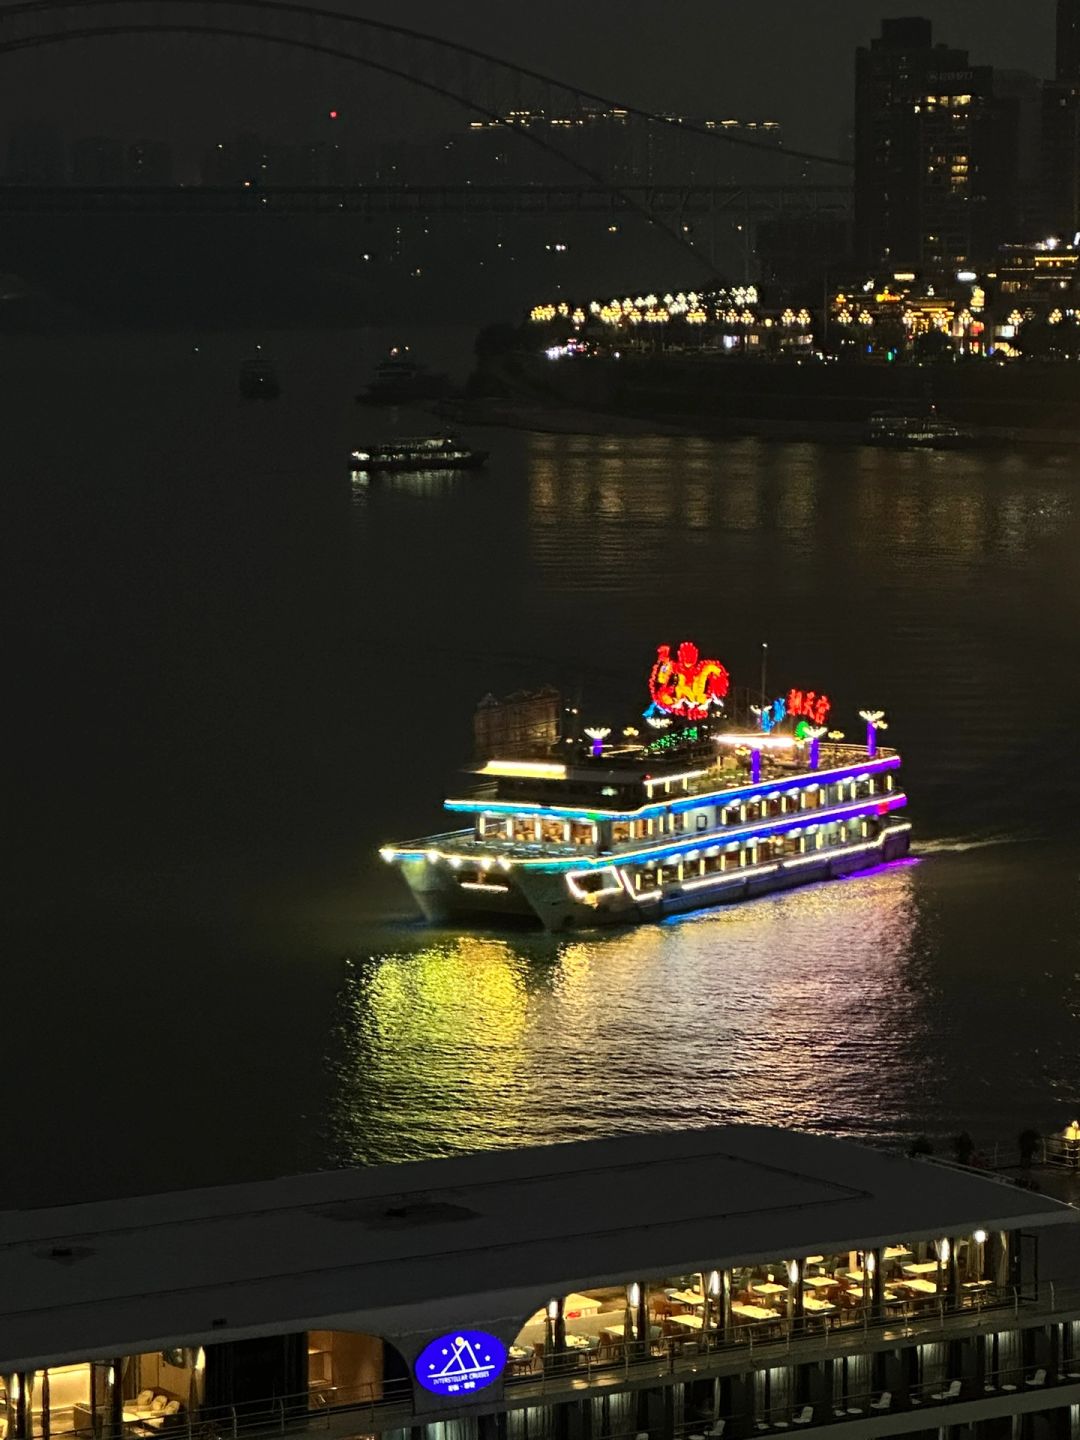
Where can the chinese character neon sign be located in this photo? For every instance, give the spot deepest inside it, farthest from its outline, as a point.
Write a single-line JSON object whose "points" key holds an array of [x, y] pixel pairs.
{"points": [[686, 686], [809, 705], [458, 1363]]}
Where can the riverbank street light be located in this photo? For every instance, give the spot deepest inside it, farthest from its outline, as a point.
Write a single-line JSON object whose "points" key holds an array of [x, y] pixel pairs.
{"points": [[875, 721]]}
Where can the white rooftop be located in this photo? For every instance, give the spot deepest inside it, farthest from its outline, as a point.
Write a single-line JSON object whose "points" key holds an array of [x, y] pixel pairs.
{"points": [[402, 1250]]}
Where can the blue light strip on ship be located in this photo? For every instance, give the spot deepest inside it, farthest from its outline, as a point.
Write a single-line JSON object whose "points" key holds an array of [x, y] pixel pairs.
{"points": [[702, 840], [673, 803]]}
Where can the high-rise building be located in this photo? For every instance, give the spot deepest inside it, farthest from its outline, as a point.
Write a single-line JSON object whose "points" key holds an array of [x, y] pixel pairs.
{"points": [[936, 151], [150, 162], [1068, 40], [1061, 158], [1060, 133], [97, 160]]}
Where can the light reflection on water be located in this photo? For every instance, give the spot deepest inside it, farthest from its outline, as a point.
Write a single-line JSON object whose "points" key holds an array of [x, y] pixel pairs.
{"points": [[935, 996], [772, 1011]]}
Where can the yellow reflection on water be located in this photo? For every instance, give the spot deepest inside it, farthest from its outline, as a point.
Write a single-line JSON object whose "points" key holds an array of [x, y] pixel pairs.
{"points": [[773, 1012]]}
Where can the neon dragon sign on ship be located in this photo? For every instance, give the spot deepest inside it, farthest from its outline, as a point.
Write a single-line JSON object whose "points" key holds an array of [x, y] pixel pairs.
{"points": [[687, 686]]}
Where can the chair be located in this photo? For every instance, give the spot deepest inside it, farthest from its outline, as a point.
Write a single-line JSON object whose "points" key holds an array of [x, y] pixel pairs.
{"points": [[805, 1415], [716, 1429], [171, 1408], [883, 1402], [142, 1400], [1039, 1378], [952, 1391]]}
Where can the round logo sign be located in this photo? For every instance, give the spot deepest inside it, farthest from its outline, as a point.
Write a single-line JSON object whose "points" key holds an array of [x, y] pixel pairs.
{"points": [[463, 1361]]}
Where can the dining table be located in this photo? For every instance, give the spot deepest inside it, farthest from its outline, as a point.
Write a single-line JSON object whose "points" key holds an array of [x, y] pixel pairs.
{"points": [[688, 1322], [813, 1306], [921, 1286], [753, 1312], [896, 1252], [615, 1331], [921, 1267], [818, 1282], [768, 1287], [686, 1297]]}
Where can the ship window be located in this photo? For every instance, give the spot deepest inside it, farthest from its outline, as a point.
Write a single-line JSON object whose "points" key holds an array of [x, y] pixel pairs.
{"points": [[888, 782], [702, 820], [620, 832]]}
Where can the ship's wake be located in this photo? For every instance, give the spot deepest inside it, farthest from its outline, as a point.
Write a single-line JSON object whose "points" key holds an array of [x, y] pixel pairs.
{"points": [[957, 844]]}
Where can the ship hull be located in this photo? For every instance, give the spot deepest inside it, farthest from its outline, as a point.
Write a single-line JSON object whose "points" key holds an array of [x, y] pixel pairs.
{"points": [[543, 896]]}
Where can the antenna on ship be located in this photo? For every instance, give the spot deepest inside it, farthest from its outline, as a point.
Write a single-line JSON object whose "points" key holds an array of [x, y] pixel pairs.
{"points": [[764, 669]]}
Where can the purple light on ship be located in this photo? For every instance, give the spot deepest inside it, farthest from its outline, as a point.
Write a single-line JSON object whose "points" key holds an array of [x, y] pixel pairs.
{"points": [[755, 766], [875, 720]]}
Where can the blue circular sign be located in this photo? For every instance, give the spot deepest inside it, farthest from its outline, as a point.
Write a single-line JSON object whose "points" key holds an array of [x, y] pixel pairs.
{"points": [[458, 1363]]}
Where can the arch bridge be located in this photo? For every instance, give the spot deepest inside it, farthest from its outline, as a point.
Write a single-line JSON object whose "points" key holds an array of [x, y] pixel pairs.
{"points": [[569, 131]]}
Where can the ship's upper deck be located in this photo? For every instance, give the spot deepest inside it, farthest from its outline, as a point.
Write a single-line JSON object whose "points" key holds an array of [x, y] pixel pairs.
{"points": [[630, 783]]}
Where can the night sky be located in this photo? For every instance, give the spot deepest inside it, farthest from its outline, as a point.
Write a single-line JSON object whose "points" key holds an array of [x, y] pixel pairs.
{"points": [[789, 60]]}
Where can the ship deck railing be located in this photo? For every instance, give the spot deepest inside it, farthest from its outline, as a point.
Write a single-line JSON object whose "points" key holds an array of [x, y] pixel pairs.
{"points": [[373, 1407], [714, 781]]}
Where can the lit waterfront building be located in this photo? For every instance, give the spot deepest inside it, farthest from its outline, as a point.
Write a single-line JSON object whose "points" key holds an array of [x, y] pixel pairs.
{"points": [[726, 1282]]}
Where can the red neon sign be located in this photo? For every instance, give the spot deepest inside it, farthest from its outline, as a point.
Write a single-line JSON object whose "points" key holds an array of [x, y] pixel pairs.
{"points": [[809, 705], [686, 686]]}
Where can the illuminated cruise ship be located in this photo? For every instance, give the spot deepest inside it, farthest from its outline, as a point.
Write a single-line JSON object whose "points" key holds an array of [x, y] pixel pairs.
{"points": [[696, 811]]}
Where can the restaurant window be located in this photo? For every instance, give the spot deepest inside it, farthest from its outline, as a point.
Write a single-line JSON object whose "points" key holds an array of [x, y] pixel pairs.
{"points": [[582, 832], [347, 1368], [620, 832], [58, 1399], [160, 1389], [591, 1324], [552, 832]]}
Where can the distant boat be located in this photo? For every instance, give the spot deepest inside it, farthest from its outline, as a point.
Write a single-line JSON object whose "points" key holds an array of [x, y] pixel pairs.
{"points": [[416, 452], [917, 432], [399, 379], [259, 381]]}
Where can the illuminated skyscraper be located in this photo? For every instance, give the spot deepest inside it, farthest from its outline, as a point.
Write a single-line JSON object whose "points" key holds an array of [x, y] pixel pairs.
{"points": [[936, 151], [1068, 40]]}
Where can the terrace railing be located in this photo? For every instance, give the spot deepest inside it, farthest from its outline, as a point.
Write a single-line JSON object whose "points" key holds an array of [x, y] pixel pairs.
{"points": [[391, 1404]]}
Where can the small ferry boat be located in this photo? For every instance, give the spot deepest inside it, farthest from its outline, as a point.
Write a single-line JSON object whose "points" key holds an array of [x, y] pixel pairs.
{"points": [[916, 432], [259, 381], [701, 809], [416, 452], [399, 379]]}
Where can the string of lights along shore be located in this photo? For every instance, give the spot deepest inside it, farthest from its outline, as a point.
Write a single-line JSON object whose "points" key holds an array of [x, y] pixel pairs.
{"points": [[963, 240]]}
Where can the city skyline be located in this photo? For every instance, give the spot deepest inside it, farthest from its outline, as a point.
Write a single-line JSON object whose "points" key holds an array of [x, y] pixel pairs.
{"points": [[797, 71]]}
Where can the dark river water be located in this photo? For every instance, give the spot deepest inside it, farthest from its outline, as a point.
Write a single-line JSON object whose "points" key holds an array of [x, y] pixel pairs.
{"points": [[231, 676]]}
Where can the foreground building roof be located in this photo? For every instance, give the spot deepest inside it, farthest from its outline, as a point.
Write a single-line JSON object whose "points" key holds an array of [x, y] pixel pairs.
{"points": [[402, 1250]]}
